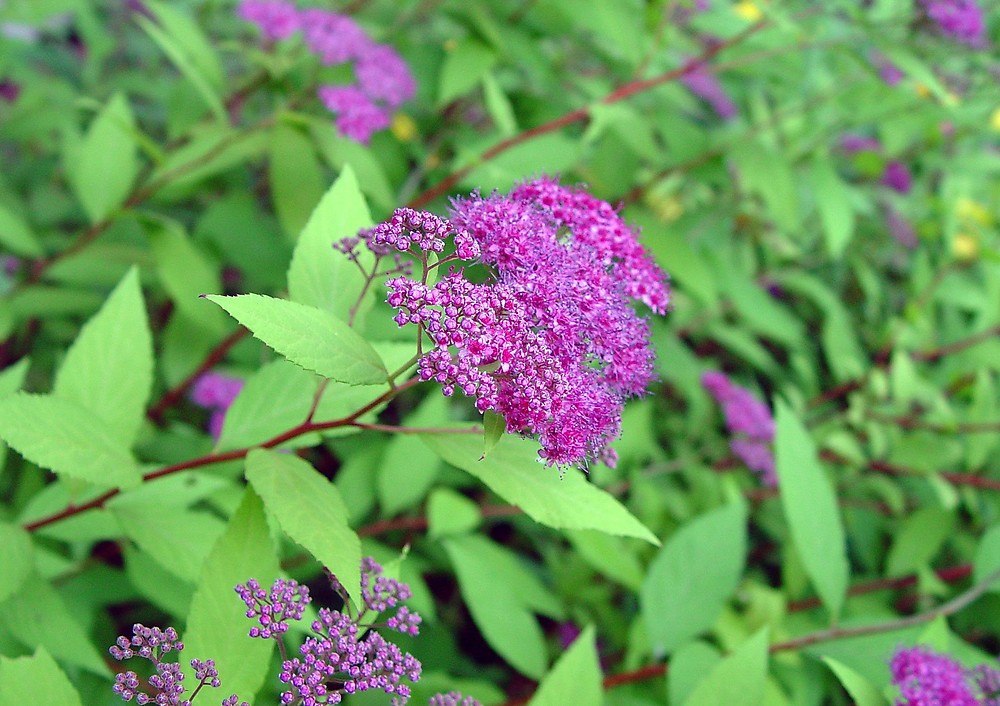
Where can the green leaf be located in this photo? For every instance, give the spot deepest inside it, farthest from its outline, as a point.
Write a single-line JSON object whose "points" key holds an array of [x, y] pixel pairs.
{"points": [[561, 500], [320, 276], [37, 616], [160, 587], [36, 680], [310, 511], [179, 539], [918, 539], [861, 690], [834, 204], [979, 447], [692, 576], [345, 154], [274, 399], [767, 173], [296, 179], [494, 427], [688, 667], [409, 468], [987, 557], [16, 558], [109, 368], [608, 554], [186, 273], [307, 336], [105, 164], [16, 235], [449, 513], [499, 106], [575, 678], [739, 679], [66, 438], [184, 44], [810, 507], [217, 627], [12, 378], [463, 68], [500, 594]]}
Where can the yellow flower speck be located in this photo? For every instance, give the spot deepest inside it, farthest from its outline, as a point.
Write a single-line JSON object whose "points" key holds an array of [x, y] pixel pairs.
{"points": [[965, 246]]}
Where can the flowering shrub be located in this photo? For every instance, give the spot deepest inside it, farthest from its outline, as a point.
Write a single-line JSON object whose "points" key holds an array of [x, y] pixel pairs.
{"points": [[293, 291]]}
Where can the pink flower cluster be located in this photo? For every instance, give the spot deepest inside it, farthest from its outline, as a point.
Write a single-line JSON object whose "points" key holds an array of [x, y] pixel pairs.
{"points": [[216, 392], [962, 20], [926, 678], [550, 340], [701, 80], [749, 421], [384, 81]]}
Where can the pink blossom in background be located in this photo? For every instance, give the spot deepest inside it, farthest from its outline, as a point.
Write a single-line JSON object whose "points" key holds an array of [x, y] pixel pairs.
{"points": [[383, 80], [897, 177], [703, 83], [900, 228], [890, 74], [961, 20], [925, 678], [852, 143], [749, 421], [216, 392]]}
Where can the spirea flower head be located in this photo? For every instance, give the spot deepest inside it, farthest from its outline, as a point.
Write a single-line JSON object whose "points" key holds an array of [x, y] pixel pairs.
{"points": [[962, 20], [452, 698], [749, 421], [286, 600], [383, 80], [925, 678], [550, 341]]}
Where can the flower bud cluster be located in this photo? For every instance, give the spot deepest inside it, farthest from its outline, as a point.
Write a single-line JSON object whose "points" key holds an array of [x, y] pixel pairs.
{"points": [[153, 644], [286, 600], [926, 678], [452, 698], [383, 80], [750, 422], [961, 20], [407, 229], [550, 342]]}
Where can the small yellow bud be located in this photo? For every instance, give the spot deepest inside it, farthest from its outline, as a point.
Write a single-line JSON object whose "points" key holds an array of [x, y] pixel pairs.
{"points": [[922, 90], [748, 10], [450, 44], [973, 212], [995, 120], [965, 246], [433, 161], [403, 127], [666, 208]]}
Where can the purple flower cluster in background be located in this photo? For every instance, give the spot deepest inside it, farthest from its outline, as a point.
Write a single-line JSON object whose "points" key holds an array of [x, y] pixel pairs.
{"points": [[551, 341], [962, 20], [701, 80], [749, 421], [926, 678], [895, 175], [384, 81], [167, 681], [216, 392]]}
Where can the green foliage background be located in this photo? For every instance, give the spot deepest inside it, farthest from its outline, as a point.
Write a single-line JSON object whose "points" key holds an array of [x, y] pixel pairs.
{"points": [[153, 158]]}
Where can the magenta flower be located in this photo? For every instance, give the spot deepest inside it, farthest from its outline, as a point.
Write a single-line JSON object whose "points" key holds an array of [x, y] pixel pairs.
{"points": [[357, 116], [925, 678], [962, 20], [897, 177], [550, 341], [852, 143], [703, 83], [216, 392], [749, 421], [276, 19]]}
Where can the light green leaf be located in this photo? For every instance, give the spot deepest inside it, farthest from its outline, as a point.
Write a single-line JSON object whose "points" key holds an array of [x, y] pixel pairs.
{"points": [[513, 471], [109, 368], [499, 594], [274, 399], [768, 174], [16, 235], [66, 438], [987, 558], [186, 273], [217, 627], [834, 204], [179, 539], [196, 45], [343, 153], [608, 554], [861, 690], [16, 558], [409, 468], [463, 68], [494, 427], [320, 276], [688, 667], [499, 106], [307, 336], [181, 40], [160, 587], [693, 575], [296, 178], [575, 678], [810, 507], [739, 679], [12, 378], [37, 616], [918, 539], [450, 513], [310, 510], [105, 164], [36, 680]]}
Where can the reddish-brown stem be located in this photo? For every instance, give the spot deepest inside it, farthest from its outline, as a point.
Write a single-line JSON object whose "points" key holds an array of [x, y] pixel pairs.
{"points": [[579, 115], [172, 396], [210, 459]]}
